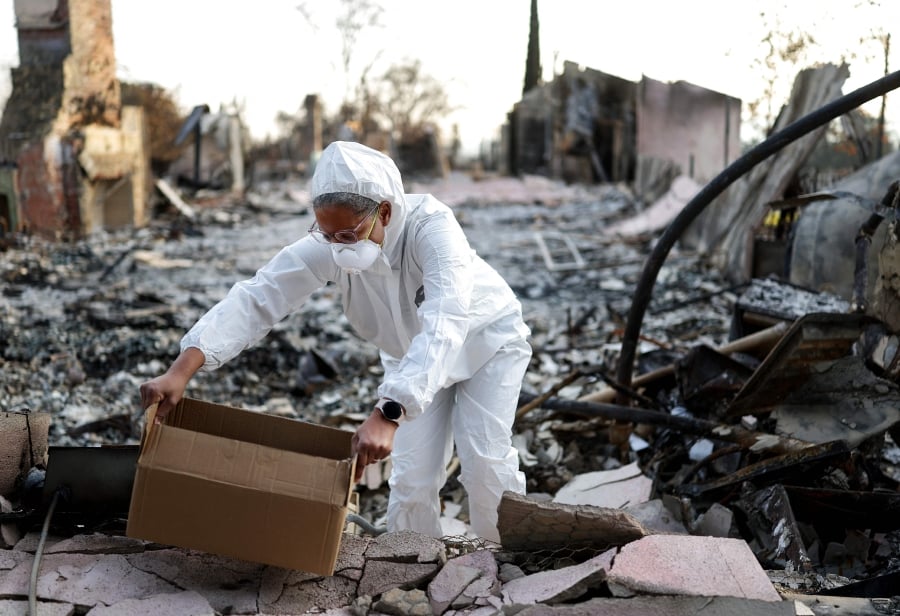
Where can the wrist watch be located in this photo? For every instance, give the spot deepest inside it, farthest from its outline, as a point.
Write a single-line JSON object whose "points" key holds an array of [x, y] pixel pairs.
{"points": [[391, 410]]}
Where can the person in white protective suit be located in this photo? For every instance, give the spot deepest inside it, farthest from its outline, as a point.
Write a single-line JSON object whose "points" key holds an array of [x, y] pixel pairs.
{"points": [[450, 330]]}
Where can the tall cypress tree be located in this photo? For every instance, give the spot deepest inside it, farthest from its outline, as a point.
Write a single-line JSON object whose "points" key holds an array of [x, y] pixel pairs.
{"points": [[533, 63]]}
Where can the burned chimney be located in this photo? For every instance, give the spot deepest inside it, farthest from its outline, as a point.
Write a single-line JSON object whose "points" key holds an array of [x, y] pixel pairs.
{"points": [[74, 160]]}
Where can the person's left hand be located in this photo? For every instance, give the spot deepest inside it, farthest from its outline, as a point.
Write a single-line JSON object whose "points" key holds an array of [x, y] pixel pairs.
{"points": [[373, 441]]}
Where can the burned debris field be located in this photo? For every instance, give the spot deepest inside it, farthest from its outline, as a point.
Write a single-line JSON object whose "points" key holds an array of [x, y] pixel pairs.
{"points": [[761, 411]]}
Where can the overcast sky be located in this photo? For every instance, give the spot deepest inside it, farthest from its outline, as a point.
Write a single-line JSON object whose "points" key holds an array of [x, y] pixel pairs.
{"points": [[267, 55]]}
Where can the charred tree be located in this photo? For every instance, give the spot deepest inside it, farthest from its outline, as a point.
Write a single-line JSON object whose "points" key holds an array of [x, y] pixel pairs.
{"points": [[533, 62]]}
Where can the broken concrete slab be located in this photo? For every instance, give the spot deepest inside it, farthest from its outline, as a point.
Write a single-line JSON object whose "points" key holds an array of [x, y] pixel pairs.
{"points": [[528, 524], [407, 546], [823, 605], [449, 584], [10, 559], [465, 581], [654, 516], [661, 212], [303, 592], [559, 585], [351, 557], [44, 608], [187, 603], [228, 584], [717, 521], [84, 579], [97, 543], [382, 575], [30, 541], [665, 606], [487, 586], [612, 489], [275, 580], [692, 566]]}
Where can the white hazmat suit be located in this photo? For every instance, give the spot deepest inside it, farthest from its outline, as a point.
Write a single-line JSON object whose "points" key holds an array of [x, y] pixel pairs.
{"points": [[450, 330]]}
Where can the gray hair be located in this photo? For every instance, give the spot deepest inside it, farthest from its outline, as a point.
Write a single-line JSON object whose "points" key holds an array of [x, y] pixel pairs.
{"points": [[358, 204]]}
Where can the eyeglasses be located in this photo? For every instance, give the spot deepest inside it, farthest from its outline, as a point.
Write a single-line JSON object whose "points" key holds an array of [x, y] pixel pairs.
{"points": [[347, 236]]}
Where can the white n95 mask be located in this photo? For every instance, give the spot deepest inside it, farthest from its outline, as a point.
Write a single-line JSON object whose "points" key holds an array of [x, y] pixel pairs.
{"points": [[355, 258]]}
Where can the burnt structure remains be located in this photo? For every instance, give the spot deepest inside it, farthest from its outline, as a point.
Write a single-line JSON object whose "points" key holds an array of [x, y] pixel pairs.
{"points": [[590, 126], [74, 160]]}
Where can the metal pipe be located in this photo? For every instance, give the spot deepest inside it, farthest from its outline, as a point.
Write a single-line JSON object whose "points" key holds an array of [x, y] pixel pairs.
{"points": [[806, 124]]}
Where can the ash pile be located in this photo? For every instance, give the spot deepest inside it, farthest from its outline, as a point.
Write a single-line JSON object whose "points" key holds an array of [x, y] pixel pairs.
{"points": [[762, 411]]}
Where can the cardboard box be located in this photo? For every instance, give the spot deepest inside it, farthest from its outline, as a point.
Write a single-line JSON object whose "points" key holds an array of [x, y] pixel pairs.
{"points": [[243, 484]]}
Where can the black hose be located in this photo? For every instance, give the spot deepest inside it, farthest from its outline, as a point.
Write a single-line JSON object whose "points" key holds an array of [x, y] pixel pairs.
{"points": [[644, 289]]}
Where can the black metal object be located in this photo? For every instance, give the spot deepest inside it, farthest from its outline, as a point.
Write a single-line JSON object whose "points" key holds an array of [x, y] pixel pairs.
{"points": [[644, 289], [82, 487], [192, 125], [96, 480]]}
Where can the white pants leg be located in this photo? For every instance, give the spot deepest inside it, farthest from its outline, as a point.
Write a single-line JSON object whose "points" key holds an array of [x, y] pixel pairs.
{"points": [[422, 450], [482, 428], [478, 415]]}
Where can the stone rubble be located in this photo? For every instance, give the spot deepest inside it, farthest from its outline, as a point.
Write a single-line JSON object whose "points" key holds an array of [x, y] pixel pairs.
{"points": [[402, 573], [86, 322]]}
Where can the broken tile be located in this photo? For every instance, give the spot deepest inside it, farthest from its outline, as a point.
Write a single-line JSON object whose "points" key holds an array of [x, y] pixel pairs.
{"points": [[275, 580], [30, 541], [10, 607], [97, 543], [351, 556], [528, 524], [85, 579], [824, 605], [715, 522], [509, 571], [488, 583], [449, 583], [611, 489], [406, 546], [187, 603], [9, 559], [688, 565], [558, 585], [665, 606], [383, 575], [654, 516]]}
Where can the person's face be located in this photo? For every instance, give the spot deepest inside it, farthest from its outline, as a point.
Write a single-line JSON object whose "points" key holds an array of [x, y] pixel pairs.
{"points": [[338, 224]]}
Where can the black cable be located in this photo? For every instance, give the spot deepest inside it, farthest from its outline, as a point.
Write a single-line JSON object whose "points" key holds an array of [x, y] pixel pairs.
{"points": [[806, 124]]}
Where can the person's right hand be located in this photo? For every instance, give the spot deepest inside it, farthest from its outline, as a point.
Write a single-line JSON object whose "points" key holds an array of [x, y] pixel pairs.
{"points": [[167, 389]]}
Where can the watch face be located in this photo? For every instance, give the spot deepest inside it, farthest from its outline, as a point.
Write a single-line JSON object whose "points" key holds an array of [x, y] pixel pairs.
{"points": [[392, 410]]}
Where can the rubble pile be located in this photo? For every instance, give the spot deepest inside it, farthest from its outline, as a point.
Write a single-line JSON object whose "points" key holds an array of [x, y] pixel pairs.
{"points": [[764, 414]]}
